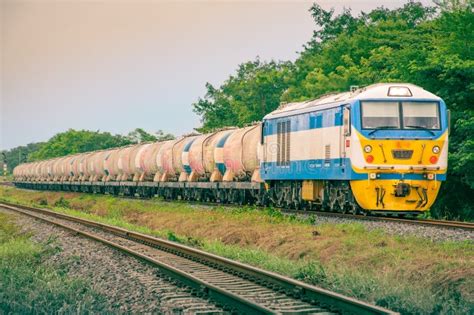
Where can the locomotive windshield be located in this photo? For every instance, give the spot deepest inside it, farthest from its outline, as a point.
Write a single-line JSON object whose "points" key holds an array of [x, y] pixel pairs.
{"points": [[420, 115], [380, 115], [400, 115]]}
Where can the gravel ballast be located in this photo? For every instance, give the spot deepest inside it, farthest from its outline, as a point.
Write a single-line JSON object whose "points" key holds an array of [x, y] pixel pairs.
{"points": [[434, 233], [129, 285]]}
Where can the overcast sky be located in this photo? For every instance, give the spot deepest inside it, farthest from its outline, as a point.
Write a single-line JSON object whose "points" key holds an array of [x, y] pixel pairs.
{"points": [[118, 65]]}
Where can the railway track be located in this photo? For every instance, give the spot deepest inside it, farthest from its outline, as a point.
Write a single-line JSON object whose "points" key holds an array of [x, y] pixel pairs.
{"points": [[436, 223], [238, 287]]}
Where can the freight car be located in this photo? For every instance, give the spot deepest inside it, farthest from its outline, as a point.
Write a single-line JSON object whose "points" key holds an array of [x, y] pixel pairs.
{"points": [[382, 148]]}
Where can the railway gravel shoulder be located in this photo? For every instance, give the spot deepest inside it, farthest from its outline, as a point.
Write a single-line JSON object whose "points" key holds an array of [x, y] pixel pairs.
{"points": [[434, 233], [129, 285]]}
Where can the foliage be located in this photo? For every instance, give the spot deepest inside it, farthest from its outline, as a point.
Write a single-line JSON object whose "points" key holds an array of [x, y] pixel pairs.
{"points": [[74, 141], [245, 97], [139, 135], [18, 155], [430, 47], [77, 141]]}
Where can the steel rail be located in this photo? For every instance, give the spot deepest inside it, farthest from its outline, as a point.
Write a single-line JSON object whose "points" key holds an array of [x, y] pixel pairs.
{"points": [[278, 283]]}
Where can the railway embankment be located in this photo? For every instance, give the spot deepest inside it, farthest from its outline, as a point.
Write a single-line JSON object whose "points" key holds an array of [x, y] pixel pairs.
{"points": [[408, 273], [31, 279], [47, 269]]}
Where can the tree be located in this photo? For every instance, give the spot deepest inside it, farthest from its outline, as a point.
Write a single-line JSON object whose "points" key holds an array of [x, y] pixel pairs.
{"points": [[245, 97], [76, 141], [19, 155], [162, 136]]}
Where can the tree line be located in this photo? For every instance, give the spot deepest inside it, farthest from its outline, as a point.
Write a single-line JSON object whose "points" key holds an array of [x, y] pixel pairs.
{"points": [[432, 47], [77, 141]]}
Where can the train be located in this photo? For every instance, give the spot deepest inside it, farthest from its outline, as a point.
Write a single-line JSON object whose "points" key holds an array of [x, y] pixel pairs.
{"points": [[382, 148]]}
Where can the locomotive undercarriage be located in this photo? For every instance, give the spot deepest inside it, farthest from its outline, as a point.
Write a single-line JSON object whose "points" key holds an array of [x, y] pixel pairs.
{"points": [[336, 197]]}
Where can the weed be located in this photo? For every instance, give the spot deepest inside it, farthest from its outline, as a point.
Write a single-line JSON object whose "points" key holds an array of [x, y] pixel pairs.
{"points": [[30, 287], [172, 237], [62, 203]]}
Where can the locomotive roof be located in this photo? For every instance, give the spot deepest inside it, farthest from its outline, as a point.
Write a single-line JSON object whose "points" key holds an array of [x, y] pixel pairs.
{"points": [[375, 91]]}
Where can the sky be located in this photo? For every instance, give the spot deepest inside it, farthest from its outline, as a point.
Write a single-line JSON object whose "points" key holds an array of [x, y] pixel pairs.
{"points": [[118, 65]]}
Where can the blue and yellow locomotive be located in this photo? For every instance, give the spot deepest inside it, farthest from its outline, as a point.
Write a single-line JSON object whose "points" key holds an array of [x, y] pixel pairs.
{"points": [[382, 148]]}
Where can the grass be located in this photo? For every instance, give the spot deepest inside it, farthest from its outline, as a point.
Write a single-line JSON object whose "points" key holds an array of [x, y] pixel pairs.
{"points": [[28, 285], [407, 274]]}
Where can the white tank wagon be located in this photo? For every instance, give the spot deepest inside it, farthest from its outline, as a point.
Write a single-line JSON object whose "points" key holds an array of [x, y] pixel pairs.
{"points": [[33, 169], [136, 161], [164, 161], [42, 171], [149, 162], [49, 170], [193, 162], [181, 157], [201, 157], [57, 171], [72, 168], [123, 164], [67, 167], [83, 169], [241, 154], [17, 172], [111, 165], [38, 169], [64, 168], [27, 172], [30, 171], [96, 165], [75, 167]]}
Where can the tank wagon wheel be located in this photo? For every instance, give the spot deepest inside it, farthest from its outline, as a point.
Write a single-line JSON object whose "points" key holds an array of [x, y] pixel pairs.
{"points": [[235, 197], [187, 195], [245, 197]]}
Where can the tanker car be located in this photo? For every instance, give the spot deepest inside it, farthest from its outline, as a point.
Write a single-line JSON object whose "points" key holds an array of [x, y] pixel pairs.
{"points": [[382, 148]]}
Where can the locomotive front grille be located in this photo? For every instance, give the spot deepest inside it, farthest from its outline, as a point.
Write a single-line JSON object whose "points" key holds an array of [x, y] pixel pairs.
{"points": [[402, 154]]}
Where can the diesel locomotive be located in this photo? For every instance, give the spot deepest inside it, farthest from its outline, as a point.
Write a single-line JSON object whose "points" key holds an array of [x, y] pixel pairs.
{"points": [[380, 148]]}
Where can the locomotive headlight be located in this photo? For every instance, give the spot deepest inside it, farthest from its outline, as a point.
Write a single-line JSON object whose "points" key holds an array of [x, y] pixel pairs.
{"points": [[367, 149], [436, 149]]}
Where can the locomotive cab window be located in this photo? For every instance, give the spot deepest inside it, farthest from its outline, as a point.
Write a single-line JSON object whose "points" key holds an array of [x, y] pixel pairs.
{"points": [[424, 115], [380, 115]]}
